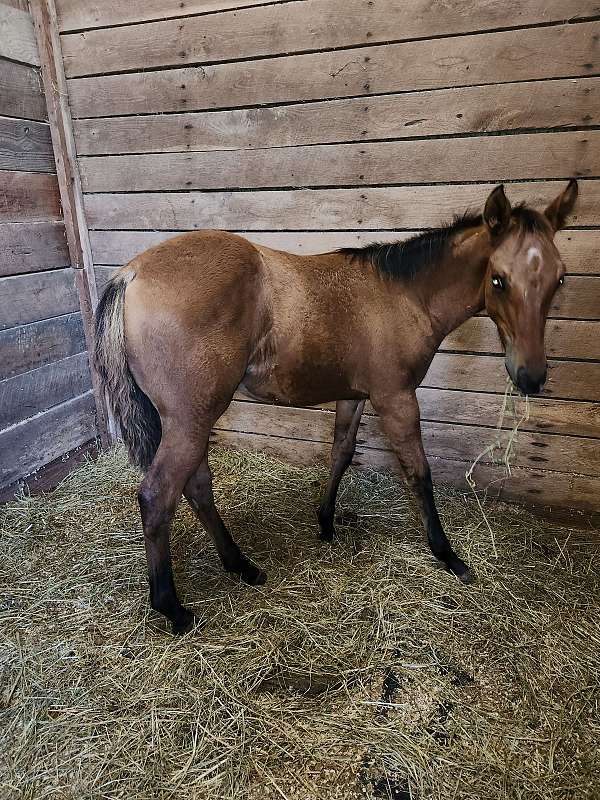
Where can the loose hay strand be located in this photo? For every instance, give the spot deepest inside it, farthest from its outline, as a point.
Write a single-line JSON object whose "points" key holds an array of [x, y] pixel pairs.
{"points": [[508, 450], [358, 671]]}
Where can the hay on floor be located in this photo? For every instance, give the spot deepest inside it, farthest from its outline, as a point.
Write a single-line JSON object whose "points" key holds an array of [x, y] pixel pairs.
{"points": [[362, 670]]}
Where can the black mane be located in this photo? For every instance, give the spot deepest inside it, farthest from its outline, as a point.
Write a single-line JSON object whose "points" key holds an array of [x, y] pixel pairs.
{"points": [[404, 260]]}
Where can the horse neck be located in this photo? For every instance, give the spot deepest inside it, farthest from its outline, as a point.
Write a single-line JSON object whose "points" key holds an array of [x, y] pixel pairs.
{"points": [[453, 291]]}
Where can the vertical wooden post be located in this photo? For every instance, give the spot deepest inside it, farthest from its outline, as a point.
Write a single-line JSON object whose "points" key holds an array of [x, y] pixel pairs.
{"points": [[65, 156]]}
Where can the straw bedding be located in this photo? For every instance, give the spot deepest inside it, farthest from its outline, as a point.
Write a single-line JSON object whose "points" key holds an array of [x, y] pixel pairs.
{"points": [[358, 671]]}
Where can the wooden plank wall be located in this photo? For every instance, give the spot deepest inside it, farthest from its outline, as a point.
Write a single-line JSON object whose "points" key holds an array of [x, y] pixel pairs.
{"points": [[46, 406], [312, 124]]}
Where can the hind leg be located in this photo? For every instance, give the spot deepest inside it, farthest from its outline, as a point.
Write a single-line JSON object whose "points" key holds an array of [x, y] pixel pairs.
{"points": [[347, 419], [198, 491], [176, 459]]}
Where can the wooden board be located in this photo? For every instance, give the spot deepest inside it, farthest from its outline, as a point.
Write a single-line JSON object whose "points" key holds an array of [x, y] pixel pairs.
{"points": [[546, 415], [471, 109], [21, 93], [573, 338], [28, 347], [32, 246], [579, 248], [569, 380], [571, 418], [40, 295], [28, 196], [295, 27], [461, 442], [405, 207], [552, 52], [59, 115], [50, 475], [73, 14], [31, 393], [485, 158], [535, 486], [17, 39], [32, 444], [25, 145]]}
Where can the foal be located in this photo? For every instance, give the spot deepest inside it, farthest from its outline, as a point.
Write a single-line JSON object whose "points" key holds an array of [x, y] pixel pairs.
{"points": [[187, 322]]}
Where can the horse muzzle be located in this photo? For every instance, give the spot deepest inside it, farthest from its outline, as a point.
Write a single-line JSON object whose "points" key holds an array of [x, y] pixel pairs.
{"points": [[529, 381]]}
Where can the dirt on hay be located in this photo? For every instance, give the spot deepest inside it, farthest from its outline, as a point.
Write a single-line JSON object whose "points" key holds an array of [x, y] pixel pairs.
{"points": [[361, 670]]}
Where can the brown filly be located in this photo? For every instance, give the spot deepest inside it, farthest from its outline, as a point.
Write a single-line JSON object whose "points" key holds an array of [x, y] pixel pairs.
{"points": [[187, 322]]}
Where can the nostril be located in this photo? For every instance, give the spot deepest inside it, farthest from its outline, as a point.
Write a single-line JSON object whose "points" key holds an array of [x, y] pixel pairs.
{"points": [[527, 383]]}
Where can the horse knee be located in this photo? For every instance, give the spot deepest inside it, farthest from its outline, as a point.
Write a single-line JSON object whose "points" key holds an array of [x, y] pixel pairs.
{"points": [[154, 508]]}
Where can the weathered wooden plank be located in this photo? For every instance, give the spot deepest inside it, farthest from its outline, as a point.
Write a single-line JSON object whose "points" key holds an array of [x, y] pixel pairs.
{"points": [[406, 207], [461, 442], [40, 295], [73, 14], [553, 52], [21, 93], [471, 109], [579, 248], [571, 418], [33, 443], [566, 417], [22, 4], [25, 145], [28, 196], [50, 475], [295, 27], [17, 39], [29, 347], [486, 158], [539, 487], [31, 393], [59, 115], [569, 380], [525, 485], [571, 338], [32, 246]]}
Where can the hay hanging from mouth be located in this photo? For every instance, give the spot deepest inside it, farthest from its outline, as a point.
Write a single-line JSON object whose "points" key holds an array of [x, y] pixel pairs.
{"points": [[501, 452], [362, 670]]}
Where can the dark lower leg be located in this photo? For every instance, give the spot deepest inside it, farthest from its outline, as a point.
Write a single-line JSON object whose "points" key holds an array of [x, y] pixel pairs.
{"points": [[401, 420], [347, 420], [157, 507], [198, 491], [436, 536]]}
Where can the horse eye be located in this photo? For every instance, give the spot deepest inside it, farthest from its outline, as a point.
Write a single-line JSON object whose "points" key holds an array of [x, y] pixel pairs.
{"points": [[561, 280], [498, 283]]}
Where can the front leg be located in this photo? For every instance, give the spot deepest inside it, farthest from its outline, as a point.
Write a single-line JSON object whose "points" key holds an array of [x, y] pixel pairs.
{"points": [[401, 421]]}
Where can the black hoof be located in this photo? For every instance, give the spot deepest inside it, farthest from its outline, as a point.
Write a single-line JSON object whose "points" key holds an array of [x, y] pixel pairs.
{"points": [[461, 570], [184, 624], [248, 572], [327, 531], [466, 576]]}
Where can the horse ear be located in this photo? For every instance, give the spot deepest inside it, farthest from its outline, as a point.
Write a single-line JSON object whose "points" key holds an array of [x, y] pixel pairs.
{"points": [[496, 213], [560, 208]]}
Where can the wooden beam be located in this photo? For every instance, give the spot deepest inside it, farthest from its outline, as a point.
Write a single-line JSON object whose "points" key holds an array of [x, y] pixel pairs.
{"points": [[59, 116]]}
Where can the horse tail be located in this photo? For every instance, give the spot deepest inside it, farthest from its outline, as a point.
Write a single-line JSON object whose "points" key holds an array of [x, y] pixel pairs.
{"points": [[138, 419]]}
